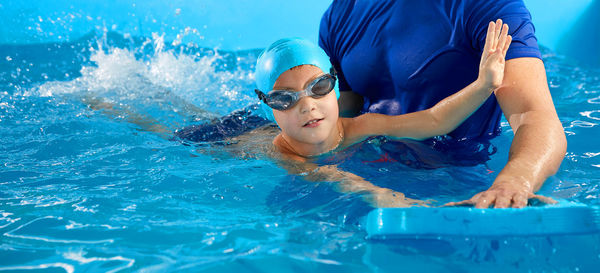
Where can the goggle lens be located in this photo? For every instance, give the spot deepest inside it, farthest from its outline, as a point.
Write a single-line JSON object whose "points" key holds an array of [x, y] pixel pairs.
{"points": [[323, 86], [280, 100]]}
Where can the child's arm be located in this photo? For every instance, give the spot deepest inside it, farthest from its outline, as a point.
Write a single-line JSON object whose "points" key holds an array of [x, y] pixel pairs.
{"points": [[347, 182], [146, 123], [164, 98], [447, 114]]}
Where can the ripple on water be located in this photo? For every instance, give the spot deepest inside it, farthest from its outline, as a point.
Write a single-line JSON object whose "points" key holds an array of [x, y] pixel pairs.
{"points": [[66, 267], [594, 114], [6, 219], [582, 124], [79, 257], [52, 229], [595, 100], [590, 155]]}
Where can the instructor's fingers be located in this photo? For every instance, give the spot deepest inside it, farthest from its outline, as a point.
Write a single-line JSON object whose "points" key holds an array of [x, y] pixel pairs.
{"points": [[519, 200], [485, 201], [502, 201]]}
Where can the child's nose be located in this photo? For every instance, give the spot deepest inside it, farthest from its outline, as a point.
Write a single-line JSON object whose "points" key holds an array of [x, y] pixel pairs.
{"points": [[307, 104]]}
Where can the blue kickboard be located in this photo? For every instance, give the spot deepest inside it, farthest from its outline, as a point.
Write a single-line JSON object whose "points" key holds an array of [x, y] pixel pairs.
{"points": [[560, 219]]}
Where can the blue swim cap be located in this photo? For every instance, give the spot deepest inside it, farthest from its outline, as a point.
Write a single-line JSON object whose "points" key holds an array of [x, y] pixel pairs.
{"points": [[283, 55]]}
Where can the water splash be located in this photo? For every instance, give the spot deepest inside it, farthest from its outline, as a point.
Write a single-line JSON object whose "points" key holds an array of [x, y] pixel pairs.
{"points": [[122, 75]]}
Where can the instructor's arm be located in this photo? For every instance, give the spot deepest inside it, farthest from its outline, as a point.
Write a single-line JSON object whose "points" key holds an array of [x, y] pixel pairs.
{"points": [[539, 143]]}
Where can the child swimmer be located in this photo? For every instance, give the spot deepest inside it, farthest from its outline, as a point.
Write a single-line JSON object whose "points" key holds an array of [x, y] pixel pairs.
{"points": [[296, 93]]}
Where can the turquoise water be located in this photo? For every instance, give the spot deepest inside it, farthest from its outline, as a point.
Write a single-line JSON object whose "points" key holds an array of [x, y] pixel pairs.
{"points": [[87, 190]]}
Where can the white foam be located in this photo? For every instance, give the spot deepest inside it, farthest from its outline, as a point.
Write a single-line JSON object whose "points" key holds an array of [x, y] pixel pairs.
{"points": [[122, 75]]}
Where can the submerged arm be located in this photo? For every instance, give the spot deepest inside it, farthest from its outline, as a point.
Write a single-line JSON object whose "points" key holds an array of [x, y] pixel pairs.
{"points": [[347, 182], [163, 98], [146, 123]]}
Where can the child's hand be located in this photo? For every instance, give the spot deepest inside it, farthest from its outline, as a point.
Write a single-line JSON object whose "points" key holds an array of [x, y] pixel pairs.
{"points": [[386, 198], [491, 68]]}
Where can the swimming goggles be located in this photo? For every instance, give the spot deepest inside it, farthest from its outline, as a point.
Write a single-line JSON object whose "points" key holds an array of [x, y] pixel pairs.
{"points": [[283, 99]]}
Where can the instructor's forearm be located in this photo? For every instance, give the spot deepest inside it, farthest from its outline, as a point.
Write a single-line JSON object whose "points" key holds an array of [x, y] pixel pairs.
{"points": [[538, 148]]}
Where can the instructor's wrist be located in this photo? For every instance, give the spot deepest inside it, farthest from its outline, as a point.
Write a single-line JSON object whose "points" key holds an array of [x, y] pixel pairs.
{"points": [[516, 177]]}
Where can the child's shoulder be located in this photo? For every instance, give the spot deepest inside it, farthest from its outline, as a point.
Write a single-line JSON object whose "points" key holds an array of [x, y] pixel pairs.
{"points": [[285, 150], [278, 142]]}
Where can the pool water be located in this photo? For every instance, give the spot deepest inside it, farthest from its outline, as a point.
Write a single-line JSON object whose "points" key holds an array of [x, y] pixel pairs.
{"points": [[88, 190]]}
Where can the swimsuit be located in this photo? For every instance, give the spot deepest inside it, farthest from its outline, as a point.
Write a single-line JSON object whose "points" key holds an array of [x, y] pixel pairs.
{"points": [[232, 125]]}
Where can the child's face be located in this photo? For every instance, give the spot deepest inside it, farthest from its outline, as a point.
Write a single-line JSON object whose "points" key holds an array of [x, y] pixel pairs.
{"points": [[311, 120]]}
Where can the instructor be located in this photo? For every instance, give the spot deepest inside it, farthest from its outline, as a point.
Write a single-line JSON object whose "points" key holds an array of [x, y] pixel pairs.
{"points": [[400, 56]]}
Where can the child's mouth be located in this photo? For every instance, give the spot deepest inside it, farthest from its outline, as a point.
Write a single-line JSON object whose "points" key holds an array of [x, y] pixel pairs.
{"points": [[313, 123]]}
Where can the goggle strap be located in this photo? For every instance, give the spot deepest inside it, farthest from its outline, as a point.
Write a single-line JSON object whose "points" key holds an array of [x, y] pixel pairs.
{"points": [[261, 95]]}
